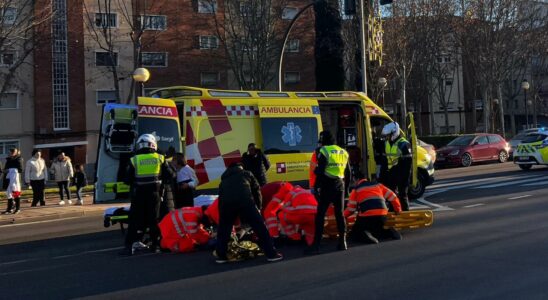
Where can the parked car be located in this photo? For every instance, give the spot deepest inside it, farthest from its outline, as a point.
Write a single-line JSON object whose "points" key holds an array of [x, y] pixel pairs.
{"points": [[516, 140], [533, 150], [469, 148], [429, 148]]}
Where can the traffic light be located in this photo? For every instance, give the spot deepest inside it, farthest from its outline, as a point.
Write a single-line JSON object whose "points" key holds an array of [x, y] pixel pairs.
{"points": [[384, 2]]}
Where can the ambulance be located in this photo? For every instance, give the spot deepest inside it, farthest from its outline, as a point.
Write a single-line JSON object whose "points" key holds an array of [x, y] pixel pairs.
{"points": [[533, 150], [214, 127]]}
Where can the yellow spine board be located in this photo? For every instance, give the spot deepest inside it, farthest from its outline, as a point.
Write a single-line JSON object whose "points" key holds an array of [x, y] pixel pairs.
{"points": [[410, 219]]}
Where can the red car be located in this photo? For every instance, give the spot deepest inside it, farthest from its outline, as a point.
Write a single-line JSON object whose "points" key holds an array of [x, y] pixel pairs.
{"points": [[469, 148]]}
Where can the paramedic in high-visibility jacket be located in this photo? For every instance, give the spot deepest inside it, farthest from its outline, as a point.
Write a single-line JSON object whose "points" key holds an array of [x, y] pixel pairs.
{"points": [[369, 200], [147, 171], [329, 187], [399, 162]]}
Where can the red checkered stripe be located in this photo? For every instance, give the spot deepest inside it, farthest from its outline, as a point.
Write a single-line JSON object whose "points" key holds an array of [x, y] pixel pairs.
{"points": [[373, 110], [195, 111], [242, 110]]}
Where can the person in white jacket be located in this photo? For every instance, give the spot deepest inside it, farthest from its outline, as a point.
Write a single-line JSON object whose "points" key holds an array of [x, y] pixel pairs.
{"points": [[13, 191], [36, 175], [62, 173]]}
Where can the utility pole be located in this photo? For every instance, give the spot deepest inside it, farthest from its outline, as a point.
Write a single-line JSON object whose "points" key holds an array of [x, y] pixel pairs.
{"points": [[363, 33]]}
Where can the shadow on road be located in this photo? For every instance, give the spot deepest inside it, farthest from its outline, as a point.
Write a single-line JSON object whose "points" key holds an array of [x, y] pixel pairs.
{"points": [[89, 264]]}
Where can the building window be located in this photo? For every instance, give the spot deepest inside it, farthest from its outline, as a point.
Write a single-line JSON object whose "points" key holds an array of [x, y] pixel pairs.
{"points": [[106, 59], [9, 101], [207, 6], [447, 129], [7, 58], [154, 59], [289, 13], [449, 82], [154, 22], [60, 89], [209, 42], [106, 20], [444, 58], [104, 97], [6, 145], [292, 77], [292, 46], [209, 78], [9, 15], [246, 9]]}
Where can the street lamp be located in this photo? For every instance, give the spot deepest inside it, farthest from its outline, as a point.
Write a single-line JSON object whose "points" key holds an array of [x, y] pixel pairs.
{"points": [[525, 87], [397, 110], [382, 84], [460, 118], [141, 75]]}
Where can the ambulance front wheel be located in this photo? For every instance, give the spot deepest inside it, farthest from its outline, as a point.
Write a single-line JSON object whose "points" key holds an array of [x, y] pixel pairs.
{"points": [[417, 191], [525, 167]]}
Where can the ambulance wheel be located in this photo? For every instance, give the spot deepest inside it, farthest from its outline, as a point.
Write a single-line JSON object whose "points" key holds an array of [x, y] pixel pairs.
{"points": [[503, 156], [466, 160], [525, 167], [417, 191]]}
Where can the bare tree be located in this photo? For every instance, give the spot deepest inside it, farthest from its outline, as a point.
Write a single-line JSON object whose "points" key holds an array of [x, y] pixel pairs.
{"points": [[19, 20], [101, 18], [251, 34]]}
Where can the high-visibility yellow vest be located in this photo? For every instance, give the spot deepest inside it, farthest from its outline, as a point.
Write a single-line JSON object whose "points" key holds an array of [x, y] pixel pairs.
{"points": [[393, 152], [337, 158], [147, 168]]}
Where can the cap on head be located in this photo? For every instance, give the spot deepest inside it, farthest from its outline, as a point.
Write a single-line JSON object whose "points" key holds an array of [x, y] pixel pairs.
{"points": [[326, 138]]}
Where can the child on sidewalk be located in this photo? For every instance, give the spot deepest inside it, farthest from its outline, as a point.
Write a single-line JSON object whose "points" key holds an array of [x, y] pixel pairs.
{"points": [[80, 181], [13, 192]]}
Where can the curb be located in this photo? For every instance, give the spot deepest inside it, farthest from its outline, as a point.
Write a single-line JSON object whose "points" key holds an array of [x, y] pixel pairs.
{"points": [[50, 217]]}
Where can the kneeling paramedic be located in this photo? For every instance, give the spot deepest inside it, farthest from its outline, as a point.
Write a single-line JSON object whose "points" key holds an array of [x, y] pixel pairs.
{"points": [[239, 195], [369, 199], [297, 215], [182, 229], [329, 187], [399, 162], [146, 173]]}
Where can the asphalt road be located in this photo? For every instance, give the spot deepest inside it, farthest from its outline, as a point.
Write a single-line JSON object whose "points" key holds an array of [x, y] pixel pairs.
{"points": [[488, 241]]}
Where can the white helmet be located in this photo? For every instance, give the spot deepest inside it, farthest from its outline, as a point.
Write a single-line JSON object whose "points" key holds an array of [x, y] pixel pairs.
{"points": [[147, 140], [391, 129]]}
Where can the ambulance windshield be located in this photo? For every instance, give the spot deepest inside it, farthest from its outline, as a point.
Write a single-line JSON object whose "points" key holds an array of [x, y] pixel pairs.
{"points": [[289, 135], [166, 132]]}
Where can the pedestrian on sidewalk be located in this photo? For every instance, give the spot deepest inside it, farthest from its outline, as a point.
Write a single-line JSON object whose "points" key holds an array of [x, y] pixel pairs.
{"points": [[13, 160], [13, 191], [62, 173], [80, 181], [36, 175]]}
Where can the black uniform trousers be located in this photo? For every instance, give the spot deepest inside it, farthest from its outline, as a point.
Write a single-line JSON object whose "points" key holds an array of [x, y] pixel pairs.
{"points": [[397, 178], [372, 224], [144, 213], [38, 196], [249, 214], [331, 191]]}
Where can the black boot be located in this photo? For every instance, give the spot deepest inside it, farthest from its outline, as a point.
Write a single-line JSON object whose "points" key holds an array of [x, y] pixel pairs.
{"points": [[342, 243], [17, 205], [9, 210]]}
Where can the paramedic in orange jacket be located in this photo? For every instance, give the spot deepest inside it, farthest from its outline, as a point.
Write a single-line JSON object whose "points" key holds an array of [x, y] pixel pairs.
{"points": [[298, 214], [369, 199], [182, 230], [273, 207]]}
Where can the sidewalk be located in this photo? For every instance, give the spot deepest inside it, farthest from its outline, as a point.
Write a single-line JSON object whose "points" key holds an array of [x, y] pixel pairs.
{"points": [[53, 211]]}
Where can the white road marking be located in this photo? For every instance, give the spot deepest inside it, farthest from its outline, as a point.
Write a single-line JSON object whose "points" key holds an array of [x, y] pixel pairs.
{"points": [[88, 252], [14, 262], [474, 205], [519, 197], [40, 222], [536, 183], [510, 183], [437, 206]]}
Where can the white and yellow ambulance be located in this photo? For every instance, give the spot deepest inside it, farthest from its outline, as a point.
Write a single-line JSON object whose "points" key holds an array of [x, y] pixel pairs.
{"points": [[217, 125]]}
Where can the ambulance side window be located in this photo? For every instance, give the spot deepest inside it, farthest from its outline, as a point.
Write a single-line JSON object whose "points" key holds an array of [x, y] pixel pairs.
{"points": [[289, 135]]}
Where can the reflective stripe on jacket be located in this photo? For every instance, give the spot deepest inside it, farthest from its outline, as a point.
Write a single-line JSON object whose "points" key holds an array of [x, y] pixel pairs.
{"points": [[369, 199], [312, 175], [300, 201], [147, 168], [394, 153], [271, 210], [337, 159]]}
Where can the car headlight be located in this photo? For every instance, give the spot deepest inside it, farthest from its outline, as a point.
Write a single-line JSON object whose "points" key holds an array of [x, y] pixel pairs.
{"points": [[454, 152], [427, 158]]}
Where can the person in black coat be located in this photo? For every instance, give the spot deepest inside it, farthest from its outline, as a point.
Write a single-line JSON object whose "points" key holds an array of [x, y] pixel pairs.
{"points": [[256, 162], [240, 196], [14, 160]]}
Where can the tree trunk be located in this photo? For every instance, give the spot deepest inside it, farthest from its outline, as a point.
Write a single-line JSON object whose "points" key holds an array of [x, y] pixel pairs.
{"points": [[329, 46]]}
